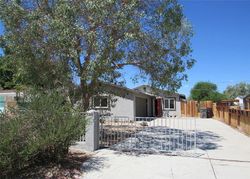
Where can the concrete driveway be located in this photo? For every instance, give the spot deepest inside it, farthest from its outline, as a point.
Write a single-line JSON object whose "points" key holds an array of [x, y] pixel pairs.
{"points": [[227, 155]]}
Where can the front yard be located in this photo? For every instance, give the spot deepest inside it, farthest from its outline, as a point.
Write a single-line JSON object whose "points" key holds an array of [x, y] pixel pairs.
{"points": [[225, 154]]}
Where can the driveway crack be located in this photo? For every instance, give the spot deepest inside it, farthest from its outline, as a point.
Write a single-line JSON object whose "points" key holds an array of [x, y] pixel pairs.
{"points": [[211, 164]]}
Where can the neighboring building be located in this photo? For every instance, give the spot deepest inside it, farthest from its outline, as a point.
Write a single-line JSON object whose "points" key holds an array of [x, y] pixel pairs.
{"points": [[246, 102], [5, 97], [138, 102], [240, 102]]}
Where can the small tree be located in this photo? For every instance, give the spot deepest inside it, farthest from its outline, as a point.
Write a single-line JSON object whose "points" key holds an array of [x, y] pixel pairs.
{"points": [[240, 89], [203, 91]]}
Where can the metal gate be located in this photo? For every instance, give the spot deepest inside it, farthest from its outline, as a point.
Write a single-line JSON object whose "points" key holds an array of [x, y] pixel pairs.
{"points": [[148, 134]]}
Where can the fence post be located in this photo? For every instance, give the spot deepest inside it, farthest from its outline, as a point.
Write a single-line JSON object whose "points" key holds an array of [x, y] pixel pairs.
{"points": [[229, 116], [92, 131]]}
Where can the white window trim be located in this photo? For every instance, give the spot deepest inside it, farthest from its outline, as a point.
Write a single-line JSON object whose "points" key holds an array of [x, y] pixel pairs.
{"points": [[168, 99], [101, 107]]}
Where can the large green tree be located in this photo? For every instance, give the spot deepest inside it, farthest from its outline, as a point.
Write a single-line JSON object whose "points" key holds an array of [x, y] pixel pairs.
{"points": [[203, 91], [54, 40], [7, 69], [240, 89], [6, 75]]}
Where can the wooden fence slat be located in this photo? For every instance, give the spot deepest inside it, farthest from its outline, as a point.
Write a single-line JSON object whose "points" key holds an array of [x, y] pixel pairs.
{"points": [[234, 117]]}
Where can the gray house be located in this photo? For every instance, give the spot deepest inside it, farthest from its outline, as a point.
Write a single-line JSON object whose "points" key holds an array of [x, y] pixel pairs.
{"points": [[137, 102]]}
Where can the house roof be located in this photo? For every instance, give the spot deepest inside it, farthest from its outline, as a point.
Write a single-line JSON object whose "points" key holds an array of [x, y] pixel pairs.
{"points": [[145, 93], [161, 92], [128, 89]]}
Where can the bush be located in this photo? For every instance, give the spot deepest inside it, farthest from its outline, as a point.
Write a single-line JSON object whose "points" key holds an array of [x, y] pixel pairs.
{"points": [[42, 131]]}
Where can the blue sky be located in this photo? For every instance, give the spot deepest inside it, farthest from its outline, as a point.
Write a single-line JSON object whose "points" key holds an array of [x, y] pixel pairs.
{"points": [[221, 43]]}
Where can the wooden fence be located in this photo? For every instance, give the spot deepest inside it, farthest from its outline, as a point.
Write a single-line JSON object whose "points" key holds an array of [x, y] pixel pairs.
{"points": [[192, 108], [206, 104], [189, 109], [233, 116]]}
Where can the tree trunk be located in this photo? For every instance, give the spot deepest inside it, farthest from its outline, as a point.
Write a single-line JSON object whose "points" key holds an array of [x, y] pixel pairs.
{"points": [[85, 96], [86, 101]]}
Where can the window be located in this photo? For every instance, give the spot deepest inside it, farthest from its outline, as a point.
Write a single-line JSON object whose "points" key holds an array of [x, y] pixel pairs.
{"points": [[169, 103], [100, 102]]}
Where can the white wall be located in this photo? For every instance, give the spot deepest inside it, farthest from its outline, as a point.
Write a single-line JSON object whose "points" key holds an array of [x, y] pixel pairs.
{"points": [[240, 103], [176, 112], [123, 107]]}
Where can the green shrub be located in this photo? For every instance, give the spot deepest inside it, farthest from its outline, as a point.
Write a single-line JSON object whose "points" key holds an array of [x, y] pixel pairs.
{"points": [[42, 131]]}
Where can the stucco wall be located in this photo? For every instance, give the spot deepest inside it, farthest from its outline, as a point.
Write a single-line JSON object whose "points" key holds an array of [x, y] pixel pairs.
{"points": [[123, 106], [176, 112], [121, 103]]}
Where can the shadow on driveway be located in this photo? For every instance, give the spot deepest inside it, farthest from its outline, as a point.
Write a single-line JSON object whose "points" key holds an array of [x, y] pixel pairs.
{"points": [[93, 163], [163, 139]]}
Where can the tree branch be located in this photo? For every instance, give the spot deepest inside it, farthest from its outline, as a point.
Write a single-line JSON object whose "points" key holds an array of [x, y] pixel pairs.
{"points": [[78, 60], [138, 64]]}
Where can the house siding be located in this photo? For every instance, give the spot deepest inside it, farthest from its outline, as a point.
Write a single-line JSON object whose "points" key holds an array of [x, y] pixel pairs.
{"points": [[121, 103], [173, 113], [123, 106], [139, 102]]}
